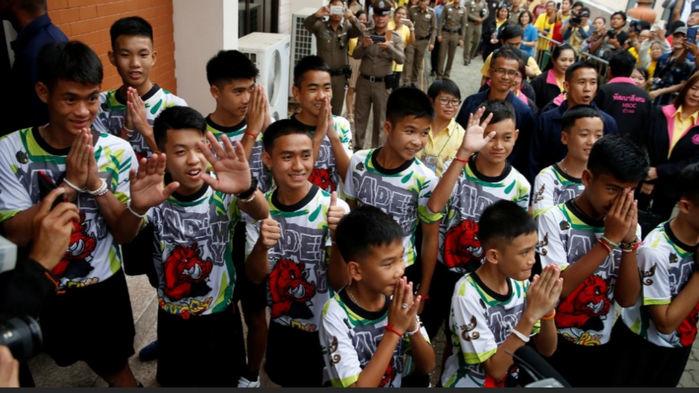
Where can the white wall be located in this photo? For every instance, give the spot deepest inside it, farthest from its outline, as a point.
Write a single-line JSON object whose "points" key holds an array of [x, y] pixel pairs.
{"points": [[288, 7], [201, 28]]}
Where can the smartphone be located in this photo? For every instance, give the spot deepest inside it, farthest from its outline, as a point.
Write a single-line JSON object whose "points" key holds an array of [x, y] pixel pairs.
{"points": [[337, 10], [692, 34], [378, 38]]}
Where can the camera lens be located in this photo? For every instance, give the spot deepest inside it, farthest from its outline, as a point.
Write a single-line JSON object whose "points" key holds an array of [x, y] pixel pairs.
{"points": [[22, 335]]}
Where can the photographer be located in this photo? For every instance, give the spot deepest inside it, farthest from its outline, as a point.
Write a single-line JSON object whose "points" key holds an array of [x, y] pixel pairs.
{"points": [[577, 29]]}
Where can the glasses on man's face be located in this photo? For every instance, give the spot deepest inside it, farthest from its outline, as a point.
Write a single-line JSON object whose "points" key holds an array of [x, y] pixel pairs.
{"points": [[445, 101], [506, 72]]}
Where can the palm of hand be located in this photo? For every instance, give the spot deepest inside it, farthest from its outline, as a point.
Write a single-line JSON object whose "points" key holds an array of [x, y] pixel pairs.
{"points": [[232, 175]]}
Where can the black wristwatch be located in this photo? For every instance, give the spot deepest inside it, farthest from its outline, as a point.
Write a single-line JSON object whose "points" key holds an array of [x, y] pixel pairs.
{"points": [[246, 196]]}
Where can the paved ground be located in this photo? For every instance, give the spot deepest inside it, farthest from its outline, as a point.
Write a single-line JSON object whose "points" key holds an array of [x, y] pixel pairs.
{"points": [[144, 304]]}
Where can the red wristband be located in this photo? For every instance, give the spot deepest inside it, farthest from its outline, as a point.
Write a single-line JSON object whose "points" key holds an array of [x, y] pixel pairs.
{"points": [[393, 330], [605, 245], [461, 160], [251, 135]]}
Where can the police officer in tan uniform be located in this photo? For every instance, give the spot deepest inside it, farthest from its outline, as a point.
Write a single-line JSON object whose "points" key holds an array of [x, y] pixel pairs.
{"points": [[378, 49], [425, 23], [332, 36], [451, 34], [477, 13]]}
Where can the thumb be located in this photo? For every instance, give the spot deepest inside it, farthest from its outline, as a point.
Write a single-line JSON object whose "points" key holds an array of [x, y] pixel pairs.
{"points": [[333, 199]]}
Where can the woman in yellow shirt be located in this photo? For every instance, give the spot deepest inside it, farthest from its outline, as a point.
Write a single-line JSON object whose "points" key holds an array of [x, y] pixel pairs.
{"points": [[544, 25], [404, 28]]}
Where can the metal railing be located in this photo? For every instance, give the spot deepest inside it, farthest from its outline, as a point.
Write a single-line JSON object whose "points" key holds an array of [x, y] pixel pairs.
{"points": [[544, 56]]}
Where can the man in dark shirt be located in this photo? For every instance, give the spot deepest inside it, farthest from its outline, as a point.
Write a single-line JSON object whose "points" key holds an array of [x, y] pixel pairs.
{"points": [[34, 30], [627, 103]]}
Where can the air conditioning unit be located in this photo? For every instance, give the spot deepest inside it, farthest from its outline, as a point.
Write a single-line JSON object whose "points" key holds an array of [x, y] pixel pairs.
{"points": [[270, 53], [303, 42]]}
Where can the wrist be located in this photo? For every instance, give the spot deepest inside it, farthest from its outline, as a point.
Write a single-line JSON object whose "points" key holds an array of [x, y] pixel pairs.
{"points": [[46, 261], [392, 329]]}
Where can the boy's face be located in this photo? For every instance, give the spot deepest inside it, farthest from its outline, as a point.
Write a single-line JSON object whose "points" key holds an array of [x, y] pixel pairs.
{"points": [[603, 189], [185, 161], [133, 56], [446, 106], [516, 257], [408, 136], [72, 106], [234, 96], [381, 268], [315, 88], [290, 161], [500, 147], [581, 136], [582, 87]]}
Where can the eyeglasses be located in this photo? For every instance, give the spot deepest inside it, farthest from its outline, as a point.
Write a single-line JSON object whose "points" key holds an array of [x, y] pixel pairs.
{"points": [[505, 71], [449, 101]]}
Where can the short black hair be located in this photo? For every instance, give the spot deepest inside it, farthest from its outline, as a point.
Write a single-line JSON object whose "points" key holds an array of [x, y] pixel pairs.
{"points": [[501, 110], [130, 26], [443, 86], [510, 31], [279, 129], [177, 118], [363, 228], [688, 183], [33, 7], [507, 53], [70, 61], [228, 65], [408, 101], [578, 112], [504, 220], [570, 71], [622, 63], [306, 64], [620, 13], [619, 157]]}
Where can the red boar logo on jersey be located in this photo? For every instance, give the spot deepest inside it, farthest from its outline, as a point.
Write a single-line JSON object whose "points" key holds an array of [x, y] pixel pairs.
{"points": [[462, 247], [584, 307], [322, 179], [76, 260], [290, 290], [388, 376], [688, 328], [186, 273]]}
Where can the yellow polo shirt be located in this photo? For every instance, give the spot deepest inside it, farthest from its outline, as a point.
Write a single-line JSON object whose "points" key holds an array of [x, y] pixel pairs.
{"points": [[681, 128], [442, 147]]}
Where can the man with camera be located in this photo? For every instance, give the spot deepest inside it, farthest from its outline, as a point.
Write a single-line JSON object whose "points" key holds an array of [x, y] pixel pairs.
{"points": [[577, 28], [333, 26], [24, 288]]}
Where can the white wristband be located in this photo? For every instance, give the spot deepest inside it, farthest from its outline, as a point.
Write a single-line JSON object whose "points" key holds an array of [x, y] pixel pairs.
{"points": [[128, 206], [520, 335], [73, 186], [101, 190]]}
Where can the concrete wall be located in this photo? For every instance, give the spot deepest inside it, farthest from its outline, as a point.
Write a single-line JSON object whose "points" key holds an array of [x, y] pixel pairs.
{"points": [[288, 7]]}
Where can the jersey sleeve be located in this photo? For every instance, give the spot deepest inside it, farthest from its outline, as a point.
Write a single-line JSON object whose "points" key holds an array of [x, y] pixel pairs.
{"points": [[551, 248], [523, 191], [14, 197], [343, 130], [543, 192], [655, 277], [99, 123], [121, 185], [252, 233], [340, 357], [349, 181], [426, 186], [468, 323]]}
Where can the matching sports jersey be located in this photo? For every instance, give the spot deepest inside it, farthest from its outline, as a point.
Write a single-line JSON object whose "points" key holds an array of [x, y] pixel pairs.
{"points": [[552, 187], [193, 243], [350, 335], [30, 168], [666, 265], [480, 320], [401, 193], [473, 193], [297, 285], [586, 316], [112, 113]]}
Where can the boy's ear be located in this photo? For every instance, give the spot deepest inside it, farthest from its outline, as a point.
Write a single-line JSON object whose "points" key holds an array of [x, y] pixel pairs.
{"points": [[354, 270], [516, 134], [387, 127], [586, 177], [294, 92], [492, 255], [213, 89], [564, 137], [566, 86], [154, 54], [42, 91], [683, 205], [112, 58], [267, 159]]}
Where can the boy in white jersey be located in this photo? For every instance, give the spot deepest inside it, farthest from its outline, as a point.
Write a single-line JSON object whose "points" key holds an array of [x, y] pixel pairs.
{"points": [[470, 184], [495, 310], [369, 326], [394, 180], [193, 232], [128, 111], [293, 252], [659, 330], [581, 127], [592, 239], [90, 319]]}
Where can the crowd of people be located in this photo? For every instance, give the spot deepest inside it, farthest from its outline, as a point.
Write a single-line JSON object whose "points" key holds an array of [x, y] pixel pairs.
{"points": [[556, 208]]}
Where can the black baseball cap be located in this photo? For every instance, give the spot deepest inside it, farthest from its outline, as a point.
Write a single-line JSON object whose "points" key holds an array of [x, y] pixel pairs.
{"points": [[381, 8]]}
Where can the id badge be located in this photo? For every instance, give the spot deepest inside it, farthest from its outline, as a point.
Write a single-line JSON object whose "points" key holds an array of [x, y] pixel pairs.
{"points": [[431, 162]]}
